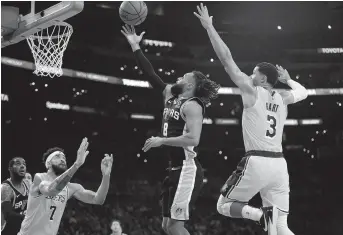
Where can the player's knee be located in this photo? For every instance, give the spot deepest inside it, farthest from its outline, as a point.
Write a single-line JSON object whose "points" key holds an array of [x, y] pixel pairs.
{"points": [[219, 207], [223, 206]]}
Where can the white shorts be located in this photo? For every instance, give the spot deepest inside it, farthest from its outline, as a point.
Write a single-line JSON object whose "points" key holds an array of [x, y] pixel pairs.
{"points": [[263, 172]]}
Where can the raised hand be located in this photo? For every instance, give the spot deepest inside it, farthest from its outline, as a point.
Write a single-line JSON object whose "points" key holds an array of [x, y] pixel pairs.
{"points": [[130, 34], [203, 16], [106, 164], [283, 74], [82, 152]]}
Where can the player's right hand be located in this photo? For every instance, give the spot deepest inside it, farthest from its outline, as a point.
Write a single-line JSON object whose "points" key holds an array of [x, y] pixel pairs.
{"points": [[82, 153], [106, 164], [283, 74], [204, 17], [130, 34]]}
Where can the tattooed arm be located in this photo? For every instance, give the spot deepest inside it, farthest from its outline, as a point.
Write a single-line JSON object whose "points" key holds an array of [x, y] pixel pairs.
{"points": [[7, 196], [98, 197], [53, 188]]}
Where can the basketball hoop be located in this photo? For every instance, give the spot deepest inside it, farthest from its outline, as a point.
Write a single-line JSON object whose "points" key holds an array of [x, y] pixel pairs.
{"points": [[48, 46]]}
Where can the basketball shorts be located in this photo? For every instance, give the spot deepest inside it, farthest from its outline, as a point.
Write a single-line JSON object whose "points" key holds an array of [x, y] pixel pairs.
{"points": [[12, 227], [180, 189], [260, 171]]}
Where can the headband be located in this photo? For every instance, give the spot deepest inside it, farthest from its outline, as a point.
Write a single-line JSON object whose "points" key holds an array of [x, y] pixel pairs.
{"points": [[49, 158]]}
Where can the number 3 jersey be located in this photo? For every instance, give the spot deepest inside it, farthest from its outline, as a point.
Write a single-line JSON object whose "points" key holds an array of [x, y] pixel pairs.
{"points": [[174, 125], [44, 213], [263, 123]]}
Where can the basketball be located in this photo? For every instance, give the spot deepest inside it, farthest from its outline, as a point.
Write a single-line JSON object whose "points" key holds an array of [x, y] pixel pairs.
{"points": [[133, 13]]}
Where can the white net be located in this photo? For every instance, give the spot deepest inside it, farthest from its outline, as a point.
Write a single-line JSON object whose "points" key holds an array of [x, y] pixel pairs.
{"points": [[48, 46]]}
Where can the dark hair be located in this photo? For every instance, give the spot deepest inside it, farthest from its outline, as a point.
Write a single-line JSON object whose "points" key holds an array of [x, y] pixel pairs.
{"points": [[115, 220], [50, 151], [11, 162], [206, 89], [270, 71]]}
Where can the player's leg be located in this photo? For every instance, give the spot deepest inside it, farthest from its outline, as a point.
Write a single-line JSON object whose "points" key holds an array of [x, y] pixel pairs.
{"points": [[165, 198], [276, 194], [165, 225], [189, 182], [176, 227], [242, 185], [237, 209], [282, 225]]}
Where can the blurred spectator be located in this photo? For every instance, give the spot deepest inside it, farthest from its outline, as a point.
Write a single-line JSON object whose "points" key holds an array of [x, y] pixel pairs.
{"points": [[116, 228], [28, 176]]}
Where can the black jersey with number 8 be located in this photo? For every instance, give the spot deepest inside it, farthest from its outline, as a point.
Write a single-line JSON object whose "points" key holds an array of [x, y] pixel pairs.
{"points": [[174, 125]]}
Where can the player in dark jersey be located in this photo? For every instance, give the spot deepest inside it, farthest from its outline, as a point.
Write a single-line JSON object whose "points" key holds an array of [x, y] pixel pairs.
{"points": [[14, 195], [181, 129]]}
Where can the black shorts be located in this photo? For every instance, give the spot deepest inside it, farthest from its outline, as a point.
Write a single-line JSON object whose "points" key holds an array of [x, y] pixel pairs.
{"points": [[12, 228], [180, 189]]}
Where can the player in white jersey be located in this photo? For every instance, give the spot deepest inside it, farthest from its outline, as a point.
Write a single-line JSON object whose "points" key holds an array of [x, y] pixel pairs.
{"points": [[263, 169], [50, 191]]}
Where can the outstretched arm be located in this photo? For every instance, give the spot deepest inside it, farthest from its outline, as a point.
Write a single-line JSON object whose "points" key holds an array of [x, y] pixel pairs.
{"points": [[134, 40], [90, 197], [223, 52], [298, 92], [54, 187], [98, 197]]}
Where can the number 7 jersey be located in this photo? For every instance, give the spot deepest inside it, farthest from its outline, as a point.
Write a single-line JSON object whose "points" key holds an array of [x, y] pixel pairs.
{"points": [[263, 123], [44, 213]]}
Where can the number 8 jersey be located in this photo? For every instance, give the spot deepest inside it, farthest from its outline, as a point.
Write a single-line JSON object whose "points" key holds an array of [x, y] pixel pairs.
{"points": [[44, 213], [263, 123], [174, 125]]}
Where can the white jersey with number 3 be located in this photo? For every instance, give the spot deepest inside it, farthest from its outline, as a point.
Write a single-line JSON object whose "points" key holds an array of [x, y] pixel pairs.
{"points": [[263, 123], [44, 213]]}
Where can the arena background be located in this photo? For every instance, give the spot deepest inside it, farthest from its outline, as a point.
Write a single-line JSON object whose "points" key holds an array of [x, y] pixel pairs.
{"points": [[104, 96]]}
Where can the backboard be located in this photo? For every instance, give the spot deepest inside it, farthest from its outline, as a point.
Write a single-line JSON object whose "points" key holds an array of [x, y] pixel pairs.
{"points": [[15, 27]]}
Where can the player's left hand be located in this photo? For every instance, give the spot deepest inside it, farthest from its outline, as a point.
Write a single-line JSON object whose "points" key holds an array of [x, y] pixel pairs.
{"points": [[106, 164], [283, 74], [204, 17], [152, 142]]}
